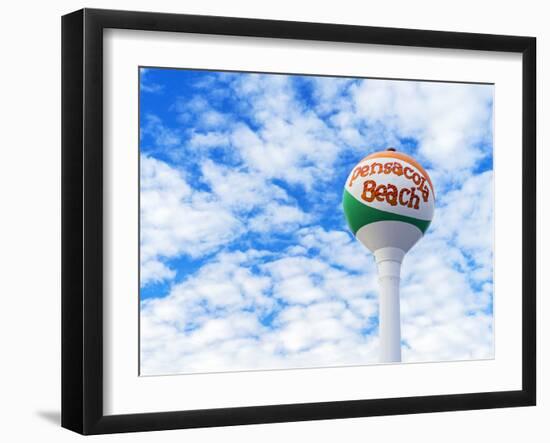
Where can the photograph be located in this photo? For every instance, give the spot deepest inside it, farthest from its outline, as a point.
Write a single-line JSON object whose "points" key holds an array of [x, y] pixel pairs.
{"points": [[295, 221], [275, 222]]}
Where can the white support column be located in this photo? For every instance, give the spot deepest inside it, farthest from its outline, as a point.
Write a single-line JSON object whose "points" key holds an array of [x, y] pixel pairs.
{"points": [[389, 262]]}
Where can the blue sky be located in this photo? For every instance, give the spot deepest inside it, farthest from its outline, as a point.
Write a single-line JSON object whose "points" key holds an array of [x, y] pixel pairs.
{"points": [[246, 260]]}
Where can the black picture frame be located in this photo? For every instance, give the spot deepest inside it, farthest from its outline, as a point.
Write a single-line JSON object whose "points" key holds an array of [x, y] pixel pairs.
{"points": [[82, 215]]}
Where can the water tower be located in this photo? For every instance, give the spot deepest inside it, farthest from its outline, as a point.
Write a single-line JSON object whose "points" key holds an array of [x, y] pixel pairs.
{"points": [[389, 203]]}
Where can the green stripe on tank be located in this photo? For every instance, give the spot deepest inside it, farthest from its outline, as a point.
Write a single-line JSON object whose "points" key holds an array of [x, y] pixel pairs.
{"points": [[358, 215]]}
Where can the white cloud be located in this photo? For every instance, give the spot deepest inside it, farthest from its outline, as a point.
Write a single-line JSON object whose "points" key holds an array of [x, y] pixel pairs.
{"points": [[338, 248], [202, 111], [276, 218], [314, 303], [449, 121], [213, 319], [330, 93], [243, 192], [467, 220], [240, 189], [444, 314], [154, 271], [208, 140], [162, 135], [176, 220], [292, 143], [320, 310], [147, 86]]}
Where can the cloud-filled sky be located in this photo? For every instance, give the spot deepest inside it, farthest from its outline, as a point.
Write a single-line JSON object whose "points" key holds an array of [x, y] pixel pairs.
{"points": [[246, 259]]}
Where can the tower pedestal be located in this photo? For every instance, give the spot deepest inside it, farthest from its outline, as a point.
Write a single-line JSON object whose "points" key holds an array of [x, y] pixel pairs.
{"points": [[389, 261]]}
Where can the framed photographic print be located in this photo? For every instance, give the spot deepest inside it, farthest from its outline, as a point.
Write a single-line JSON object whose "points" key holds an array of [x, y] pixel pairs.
{"points": [[269, 221]]}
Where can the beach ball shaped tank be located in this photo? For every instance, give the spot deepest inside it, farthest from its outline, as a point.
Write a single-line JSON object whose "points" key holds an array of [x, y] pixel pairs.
{"points": [[388, 200]]}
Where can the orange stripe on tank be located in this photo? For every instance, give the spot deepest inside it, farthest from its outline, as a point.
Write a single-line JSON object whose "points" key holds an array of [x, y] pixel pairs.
{"points": [[404, 157]]}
